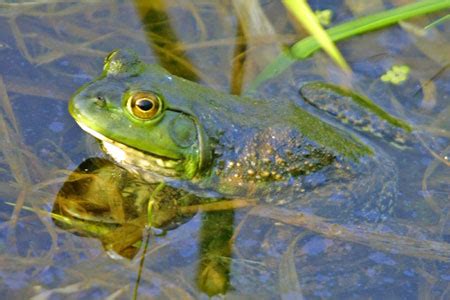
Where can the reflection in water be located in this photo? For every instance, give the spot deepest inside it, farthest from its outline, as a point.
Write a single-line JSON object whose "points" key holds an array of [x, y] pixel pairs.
{"points": [[215, 252], [103, 201]]}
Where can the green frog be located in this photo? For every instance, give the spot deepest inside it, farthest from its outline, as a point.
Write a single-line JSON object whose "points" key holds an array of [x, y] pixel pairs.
{"points": [[212, 144]]}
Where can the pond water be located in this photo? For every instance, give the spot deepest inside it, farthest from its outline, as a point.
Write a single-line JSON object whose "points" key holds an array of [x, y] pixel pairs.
{"points": [[70, 223]]}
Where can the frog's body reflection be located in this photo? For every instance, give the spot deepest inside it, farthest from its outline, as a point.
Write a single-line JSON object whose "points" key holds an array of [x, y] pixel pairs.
{"points": [[104, 201]]}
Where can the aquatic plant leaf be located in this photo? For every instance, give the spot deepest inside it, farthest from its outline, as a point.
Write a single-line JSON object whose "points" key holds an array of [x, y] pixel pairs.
{"points": [[303, 13], [307, 46]]}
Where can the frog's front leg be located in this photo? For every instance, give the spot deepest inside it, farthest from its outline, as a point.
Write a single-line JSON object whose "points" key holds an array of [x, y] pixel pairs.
{"points": [[358, 111]]}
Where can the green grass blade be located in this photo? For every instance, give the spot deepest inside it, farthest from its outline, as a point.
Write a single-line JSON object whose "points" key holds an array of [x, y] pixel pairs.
{"points": [[437, 22], [309, 45], [303, 13]]}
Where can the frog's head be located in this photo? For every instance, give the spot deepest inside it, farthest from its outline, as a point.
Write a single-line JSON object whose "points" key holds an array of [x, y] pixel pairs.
{"points": [[128, 109]]}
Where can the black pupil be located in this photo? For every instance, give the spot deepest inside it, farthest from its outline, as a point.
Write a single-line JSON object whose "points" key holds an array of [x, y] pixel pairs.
{"points": [[144, 104]]}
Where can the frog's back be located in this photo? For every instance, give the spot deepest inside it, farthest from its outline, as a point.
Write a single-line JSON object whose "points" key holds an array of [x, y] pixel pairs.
{"points": [[280, 164]]}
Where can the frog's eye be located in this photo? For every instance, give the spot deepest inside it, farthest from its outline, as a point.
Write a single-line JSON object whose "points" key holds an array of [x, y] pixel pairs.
{"points": [[144, 105]]}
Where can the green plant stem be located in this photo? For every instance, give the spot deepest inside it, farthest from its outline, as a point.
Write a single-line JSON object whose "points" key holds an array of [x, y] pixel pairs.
{"points": [[304, 15], [307, 46], [437, 22]]}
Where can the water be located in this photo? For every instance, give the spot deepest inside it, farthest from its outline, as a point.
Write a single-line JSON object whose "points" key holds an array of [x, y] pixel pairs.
{"points": [[47, 51]]}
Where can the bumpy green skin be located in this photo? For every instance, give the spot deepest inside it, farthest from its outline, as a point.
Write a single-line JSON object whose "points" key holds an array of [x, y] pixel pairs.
{"points": [[219, 144], [358, 111]]}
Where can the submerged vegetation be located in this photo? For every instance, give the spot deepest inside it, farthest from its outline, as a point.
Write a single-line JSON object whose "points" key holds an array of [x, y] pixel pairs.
{"points": [[48, 50], [396, 75]]}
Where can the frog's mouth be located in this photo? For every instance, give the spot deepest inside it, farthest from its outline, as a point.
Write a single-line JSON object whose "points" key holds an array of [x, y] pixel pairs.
{"points": [[132, 158]]}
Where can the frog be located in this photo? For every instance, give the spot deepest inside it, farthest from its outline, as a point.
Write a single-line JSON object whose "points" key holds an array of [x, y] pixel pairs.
{"points": [[212, 144]]}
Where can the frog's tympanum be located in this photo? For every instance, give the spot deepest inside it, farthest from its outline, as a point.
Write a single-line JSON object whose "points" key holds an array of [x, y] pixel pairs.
{"points": [[214, 144]]}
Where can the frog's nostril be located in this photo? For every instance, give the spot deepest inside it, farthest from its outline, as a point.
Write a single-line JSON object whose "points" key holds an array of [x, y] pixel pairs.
{"points": [[100, 101]]}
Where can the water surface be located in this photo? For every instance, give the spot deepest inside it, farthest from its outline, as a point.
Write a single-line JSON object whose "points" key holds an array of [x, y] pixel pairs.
{"points": [[47, 51]]}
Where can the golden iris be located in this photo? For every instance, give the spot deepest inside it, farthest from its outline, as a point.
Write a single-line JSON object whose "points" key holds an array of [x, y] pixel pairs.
{"points": [[144, 105]]}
